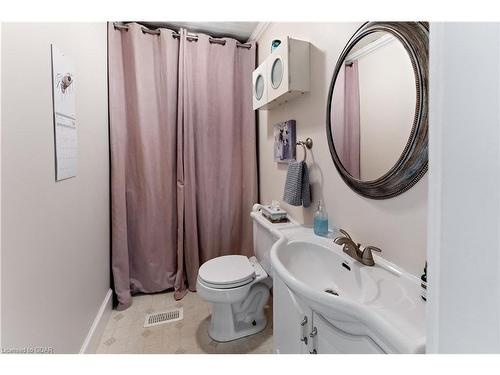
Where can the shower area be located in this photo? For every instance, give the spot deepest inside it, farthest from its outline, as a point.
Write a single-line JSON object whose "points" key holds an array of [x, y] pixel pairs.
{"points": [[183, 154]]}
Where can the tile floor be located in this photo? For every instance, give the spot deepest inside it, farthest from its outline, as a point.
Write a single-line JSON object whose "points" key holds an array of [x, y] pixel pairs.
{"points": [[125, 332]]}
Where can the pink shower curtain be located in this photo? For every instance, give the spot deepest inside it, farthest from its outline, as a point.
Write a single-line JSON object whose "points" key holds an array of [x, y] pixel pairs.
{"points": [[352, 120], [183, 157], [143, 70], [220, 166], [346, 118]]}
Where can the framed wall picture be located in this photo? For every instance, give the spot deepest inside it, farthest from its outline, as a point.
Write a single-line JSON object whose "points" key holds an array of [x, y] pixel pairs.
{"points": [[65, 131], [284, 141]]}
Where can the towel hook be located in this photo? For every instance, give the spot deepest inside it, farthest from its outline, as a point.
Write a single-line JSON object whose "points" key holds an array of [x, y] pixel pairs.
{"points": [[307, 144]]}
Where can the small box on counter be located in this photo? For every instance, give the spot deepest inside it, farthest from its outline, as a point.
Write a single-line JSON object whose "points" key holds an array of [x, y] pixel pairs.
{"points": [[274, 214]]}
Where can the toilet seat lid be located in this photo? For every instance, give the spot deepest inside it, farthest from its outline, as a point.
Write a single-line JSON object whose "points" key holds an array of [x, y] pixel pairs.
{"points": [[227, 270]]}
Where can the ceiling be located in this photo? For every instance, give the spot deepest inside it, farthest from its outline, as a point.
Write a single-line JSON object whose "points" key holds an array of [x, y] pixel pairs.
{"points": [[240, 31]]}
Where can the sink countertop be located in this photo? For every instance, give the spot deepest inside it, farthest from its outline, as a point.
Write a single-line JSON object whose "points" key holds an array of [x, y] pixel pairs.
{"points": [[393, 313]]}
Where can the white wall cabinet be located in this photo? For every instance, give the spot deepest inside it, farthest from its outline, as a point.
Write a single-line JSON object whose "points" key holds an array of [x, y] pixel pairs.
{"points": [[297, 329], [283, 75]]}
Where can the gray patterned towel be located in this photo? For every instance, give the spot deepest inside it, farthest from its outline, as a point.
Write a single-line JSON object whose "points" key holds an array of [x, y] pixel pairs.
{"points": [[297, 191]]}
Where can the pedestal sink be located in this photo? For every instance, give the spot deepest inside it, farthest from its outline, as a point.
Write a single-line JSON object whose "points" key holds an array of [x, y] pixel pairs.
{"points": [[379, 305]]}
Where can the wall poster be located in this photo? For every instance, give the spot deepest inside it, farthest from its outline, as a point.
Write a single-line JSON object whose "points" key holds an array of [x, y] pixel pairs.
{"points": [[65, 132]]}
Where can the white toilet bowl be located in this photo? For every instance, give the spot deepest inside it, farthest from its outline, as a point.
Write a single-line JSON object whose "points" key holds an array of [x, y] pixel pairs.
{"points": [[238, 288]]}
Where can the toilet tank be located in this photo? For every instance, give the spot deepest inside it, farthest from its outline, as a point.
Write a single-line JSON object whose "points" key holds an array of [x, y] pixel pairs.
{"points": [[264, 238]]}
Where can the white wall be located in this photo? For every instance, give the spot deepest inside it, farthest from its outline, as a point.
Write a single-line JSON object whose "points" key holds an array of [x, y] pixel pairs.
{"points": [[396, 225], [0, 189], [464, 186], [387, 99], [55, 243]]}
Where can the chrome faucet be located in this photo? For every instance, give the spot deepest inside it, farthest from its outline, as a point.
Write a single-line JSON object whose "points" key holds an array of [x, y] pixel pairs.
{"points": [[353, 250]]}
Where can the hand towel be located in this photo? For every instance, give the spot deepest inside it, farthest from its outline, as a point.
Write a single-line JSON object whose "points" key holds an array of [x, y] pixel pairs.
{"points": [[297, 191]]}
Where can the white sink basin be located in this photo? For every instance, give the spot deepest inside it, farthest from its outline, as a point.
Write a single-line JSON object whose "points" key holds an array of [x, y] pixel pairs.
{"points": [[379, 301], [322, 269]]}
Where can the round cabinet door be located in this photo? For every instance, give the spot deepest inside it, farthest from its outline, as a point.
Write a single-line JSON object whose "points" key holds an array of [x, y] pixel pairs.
{"points": [[259, 87], [277, 73]]}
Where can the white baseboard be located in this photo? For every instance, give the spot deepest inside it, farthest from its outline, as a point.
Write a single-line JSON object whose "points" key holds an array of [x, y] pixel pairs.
{"points": [[98, 325]]}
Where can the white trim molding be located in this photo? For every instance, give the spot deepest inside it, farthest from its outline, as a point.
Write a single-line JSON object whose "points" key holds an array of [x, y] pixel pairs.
{"points": [[370, 47], [258, 31], [434, 211], [91, 342]]}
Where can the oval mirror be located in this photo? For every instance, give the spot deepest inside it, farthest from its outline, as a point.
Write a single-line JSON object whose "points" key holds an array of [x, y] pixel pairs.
{"points": [[276, 73], [377, 109], [259, 87]]}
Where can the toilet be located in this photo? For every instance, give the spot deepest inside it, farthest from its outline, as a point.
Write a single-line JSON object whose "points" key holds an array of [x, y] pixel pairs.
{"points": [[238, 286]]}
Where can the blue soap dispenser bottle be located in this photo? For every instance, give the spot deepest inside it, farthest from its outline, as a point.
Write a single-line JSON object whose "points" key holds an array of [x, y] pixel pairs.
{"points": [[321, 221]]}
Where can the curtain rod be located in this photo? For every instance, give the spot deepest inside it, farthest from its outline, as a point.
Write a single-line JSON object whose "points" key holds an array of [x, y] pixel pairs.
{"points": [[190, 37]]}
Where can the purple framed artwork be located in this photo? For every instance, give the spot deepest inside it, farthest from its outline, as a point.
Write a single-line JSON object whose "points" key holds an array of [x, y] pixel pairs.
{"points": [[284, 141]]}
